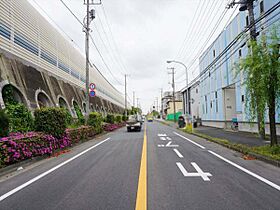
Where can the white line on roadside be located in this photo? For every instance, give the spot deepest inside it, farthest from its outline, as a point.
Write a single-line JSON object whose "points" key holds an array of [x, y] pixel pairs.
{"points": [[6, 195], [277, 187], [178, 153], [202, 147]]}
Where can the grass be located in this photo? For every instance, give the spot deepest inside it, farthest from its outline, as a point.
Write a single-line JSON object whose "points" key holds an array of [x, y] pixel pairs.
{"points": [[272, 153]]}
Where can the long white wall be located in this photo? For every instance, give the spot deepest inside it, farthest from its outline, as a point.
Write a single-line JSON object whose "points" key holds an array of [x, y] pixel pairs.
{"points": [[25, 33]]}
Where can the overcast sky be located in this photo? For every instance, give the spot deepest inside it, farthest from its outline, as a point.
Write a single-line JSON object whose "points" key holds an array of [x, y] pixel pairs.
{"points": [[138, 36]]}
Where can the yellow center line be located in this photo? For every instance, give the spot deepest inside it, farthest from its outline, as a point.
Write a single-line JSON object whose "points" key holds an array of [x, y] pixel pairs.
{"points": [[141, 200]]}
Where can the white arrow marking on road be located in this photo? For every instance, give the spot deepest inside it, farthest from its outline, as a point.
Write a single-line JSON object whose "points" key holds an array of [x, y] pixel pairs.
{"points": [[169, 144], [162, 134], [178, 153], [163, 138], [168, 138], [203, 175]]}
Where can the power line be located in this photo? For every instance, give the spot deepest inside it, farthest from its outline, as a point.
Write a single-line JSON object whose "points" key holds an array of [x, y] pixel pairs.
{"points": [[187, 33], [233, 42], [111, 52], [202, 9], [205, 19], [72, 12], [67, 35], [113, 39], [102, 58]]}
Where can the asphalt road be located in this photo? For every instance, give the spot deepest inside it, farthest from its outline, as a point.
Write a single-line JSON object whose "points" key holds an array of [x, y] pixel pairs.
{"points": [[180, 172]]}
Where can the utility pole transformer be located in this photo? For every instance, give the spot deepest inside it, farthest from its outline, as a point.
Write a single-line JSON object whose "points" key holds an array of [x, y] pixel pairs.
{"points": [[173, 86]]}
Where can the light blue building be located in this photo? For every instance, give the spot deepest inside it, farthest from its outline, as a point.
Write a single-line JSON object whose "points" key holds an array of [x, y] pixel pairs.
{"points": [[222, 95]]}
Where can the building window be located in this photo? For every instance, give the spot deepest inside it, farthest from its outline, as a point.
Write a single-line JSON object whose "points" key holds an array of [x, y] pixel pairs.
{"points": [[216, 97], [206, 104], [261, 7], [240, 53], [247, 21]]}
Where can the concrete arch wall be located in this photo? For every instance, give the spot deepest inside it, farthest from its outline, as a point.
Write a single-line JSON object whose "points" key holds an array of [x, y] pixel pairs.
{"points": [[24, 97], [61, 97], [30, 82], [39, 91]]}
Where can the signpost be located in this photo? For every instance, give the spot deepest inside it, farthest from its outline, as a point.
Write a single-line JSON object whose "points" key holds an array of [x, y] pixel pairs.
{"points": [[92, 92]]}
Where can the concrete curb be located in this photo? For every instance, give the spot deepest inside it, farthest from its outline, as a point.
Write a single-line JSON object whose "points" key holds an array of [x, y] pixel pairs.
{"points": [[254, 155]]}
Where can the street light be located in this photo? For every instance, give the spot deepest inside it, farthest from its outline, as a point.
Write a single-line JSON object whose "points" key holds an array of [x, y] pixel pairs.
{"points": [[179, 62]]}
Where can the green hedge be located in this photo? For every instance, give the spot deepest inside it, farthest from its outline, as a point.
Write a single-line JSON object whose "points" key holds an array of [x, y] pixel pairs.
{"points": [[21, 119], [51, 121], [110, 119], [95, 120], [124, 118], [4, 124], [79, 114], [118, 118]]}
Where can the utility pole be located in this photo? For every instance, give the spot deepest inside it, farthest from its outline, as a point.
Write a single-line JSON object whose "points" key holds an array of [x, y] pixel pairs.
{"points": [[137, 105], [89, 17], [134, 99], [173, 86], [161, 103], [125, 95], [249, 5]]}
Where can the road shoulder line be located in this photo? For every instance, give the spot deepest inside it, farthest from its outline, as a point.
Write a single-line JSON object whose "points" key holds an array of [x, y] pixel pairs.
{"points": [[202, 147], [6, 195], [277, 187]]}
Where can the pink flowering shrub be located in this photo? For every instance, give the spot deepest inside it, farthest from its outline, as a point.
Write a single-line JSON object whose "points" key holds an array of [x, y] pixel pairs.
{"points": [[111, 127], [19, 146]]}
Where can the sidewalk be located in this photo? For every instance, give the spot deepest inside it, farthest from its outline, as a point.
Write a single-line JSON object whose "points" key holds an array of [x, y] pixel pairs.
{"points": [[240, 137]]}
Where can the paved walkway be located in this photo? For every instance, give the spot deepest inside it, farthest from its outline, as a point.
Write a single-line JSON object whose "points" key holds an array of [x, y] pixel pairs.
{"points": [[239, 137], [246, 138]]}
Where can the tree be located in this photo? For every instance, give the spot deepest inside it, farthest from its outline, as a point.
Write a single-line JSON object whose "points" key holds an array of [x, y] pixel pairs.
{"points": [[261, 70]]}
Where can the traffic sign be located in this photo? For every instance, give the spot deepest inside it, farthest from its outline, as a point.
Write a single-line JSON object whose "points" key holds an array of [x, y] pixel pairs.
{"points": [[92, 86], [92, 93]]}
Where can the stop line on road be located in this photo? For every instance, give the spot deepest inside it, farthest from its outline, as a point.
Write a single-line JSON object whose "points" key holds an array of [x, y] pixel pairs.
{"points": [[199, 172]]}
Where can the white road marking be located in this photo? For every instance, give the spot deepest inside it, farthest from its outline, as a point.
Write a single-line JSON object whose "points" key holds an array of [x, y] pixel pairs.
{"points": [[202, 147], [6, 195], [178, 153], [277, 187], [169, 144], [163, 138], [161, 134], [203, 175], [160, 145], [168, 138]]}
